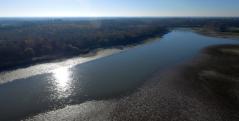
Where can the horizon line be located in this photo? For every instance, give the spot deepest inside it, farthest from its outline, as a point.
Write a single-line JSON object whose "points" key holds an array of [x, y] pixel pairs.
{"points": [[119, 16]]}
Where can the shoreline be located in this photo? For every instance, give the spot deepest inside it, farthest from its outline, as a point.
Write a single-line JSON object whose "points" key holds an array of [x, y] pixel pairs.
{"points": [[212, 33], [57, 58], [52, 59]]}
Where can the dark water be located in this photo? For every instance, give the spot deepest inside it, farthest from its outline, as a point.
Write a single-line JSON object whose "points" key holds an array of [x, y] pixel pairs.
{"points": [[99, 79]]}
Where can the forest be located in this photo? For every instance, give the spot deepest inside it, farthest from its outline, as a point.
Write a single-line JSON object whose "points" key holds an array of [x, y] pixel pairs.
{"points": [[28, 40]]}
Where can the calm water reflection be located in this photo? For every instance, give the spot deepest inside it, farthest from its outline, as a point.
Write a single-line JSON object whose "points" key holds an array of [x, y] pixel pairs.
{"points": [[97, 79]]}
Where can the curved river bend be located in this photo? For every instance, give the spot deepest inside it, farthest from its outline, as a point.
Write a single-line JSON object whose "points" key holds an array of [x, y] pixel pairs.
{"points": [[29, 91]]}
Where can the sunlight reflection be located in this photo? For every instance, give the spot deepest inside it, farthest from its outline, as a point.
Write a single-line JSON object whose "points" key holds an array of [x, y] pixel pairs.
{"points": [[63, 79]]}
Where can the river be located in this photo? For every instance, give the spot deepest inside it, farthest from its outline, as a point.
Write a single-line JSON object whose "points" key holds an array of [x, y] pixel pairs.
{"points": [[108, 74]]}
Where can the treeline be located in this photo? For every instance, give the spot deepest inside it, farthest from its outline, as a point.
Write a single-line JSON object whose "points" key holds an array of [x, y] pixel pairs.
{"points": [[24, 42]]}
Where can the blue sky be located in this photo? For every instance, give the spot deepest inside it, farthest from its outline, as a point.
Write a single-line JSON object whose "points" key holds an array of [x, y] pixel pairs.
{"points": [[71, 8]]}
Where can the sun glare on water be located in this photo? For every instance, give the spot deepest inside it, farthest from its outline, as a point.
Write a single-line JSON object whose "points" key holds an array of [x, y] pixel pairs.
{"points": [[62, 81]]}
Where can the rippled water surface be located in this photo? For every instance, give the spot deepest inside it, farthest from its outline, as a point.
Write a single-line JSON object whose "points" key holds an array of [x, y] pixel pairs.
{"points": [[44, 87]]}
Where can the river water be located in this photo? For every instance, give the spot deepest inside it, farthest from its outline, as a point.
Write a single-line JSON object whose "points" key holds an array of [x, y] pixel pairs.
{"points": [[108, 74]]}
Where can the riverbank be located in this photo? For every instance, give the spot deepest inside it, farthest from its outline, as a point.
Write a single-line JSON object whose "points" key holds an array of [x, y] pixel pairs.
{"points": [[54, 58], [204, 90], [213, 33], [11, 65]]}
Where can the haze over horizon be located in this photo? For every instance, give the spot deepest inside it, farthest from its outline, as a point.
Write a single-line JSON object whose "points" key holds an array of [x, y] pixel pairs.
{"points": [[119, 8]]}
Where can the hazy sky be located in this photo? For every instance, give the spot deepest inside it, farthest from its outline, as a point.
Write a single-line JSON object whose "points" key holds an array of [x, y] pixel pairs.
{"points": [[41, 8]]}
